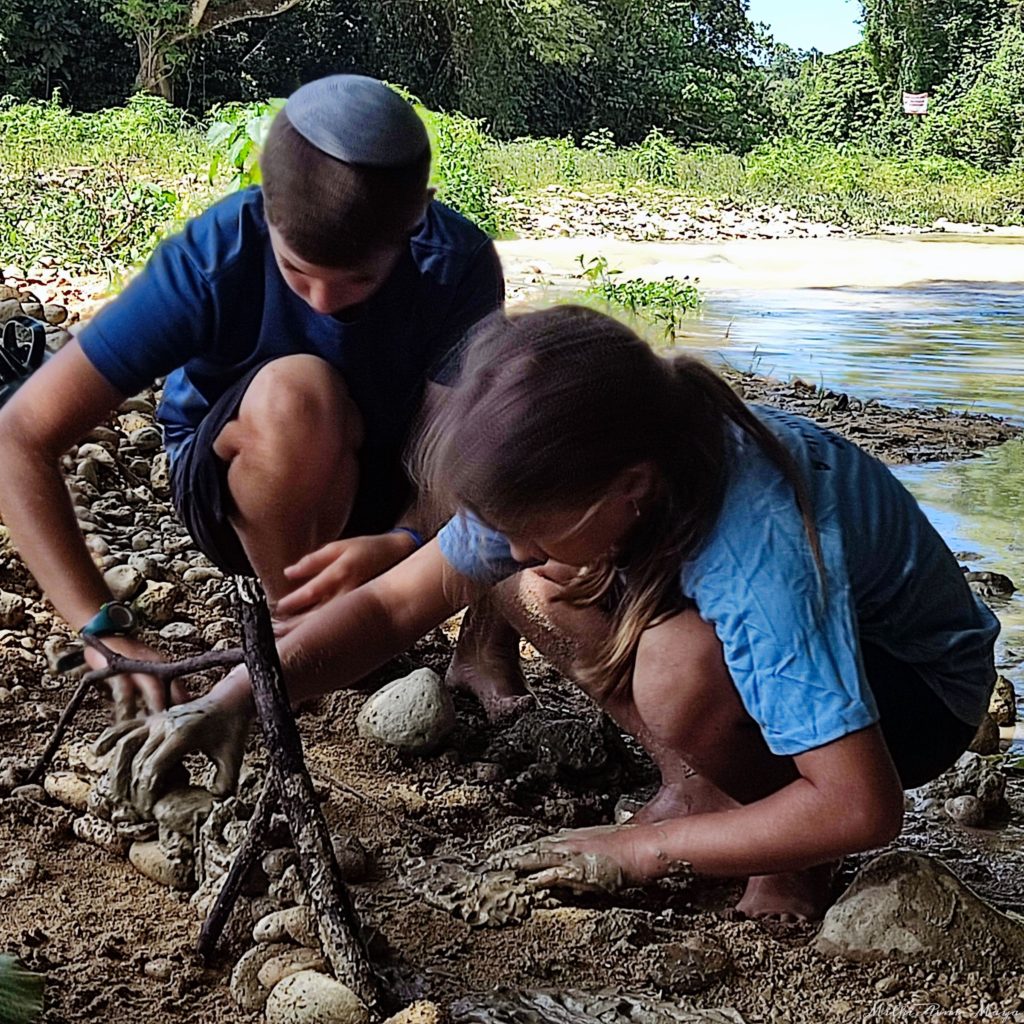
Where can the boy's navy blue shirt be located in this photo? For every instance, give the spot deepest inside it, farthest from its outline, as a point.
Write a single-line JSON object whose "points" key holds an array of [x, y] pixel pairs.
{"points": [[211, 304]]}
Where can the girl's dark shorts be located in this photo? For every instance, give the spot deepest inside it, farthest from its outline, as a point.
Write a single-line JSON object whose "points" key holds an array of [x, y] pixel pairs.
{"points": [[199, 487], [924, 737]]}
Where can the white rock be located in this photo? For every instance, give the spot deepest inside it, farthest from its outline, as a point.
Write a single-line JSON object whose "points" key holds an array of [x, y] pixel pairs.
{"points": [[12, 610], [124, 582], [69, 789], [156, 603], [309, 997], [413, 713], [245, 987], [296, 923], [150, 859], [300, 958]]}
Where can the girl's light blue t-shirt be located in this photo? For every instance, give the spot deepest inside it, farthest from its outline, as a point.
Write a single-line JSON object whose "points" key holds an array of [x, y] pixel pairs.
{"points": [[793, 649]]}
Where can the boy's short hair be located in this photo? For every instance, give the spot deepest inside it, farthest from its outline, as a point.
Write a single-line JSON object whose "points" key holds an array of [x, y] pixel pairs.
{"points": [[333, 213]]}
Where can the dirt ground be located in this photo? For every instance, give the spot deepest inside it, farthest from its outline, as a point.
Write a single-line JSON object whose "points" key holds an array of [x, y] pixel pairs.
{"points": [[116, 946]]}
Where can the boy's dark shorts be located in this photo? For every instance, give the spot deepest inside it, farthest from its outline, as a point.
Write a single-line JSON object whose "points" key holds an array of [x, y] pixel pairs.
{"points": [[924, 737], [199, 487]]}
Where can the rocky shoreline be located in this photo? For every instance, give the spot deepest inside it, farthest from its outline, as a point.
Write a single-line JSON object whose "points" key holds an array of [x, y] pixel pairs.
{"points": [[660, 215]]}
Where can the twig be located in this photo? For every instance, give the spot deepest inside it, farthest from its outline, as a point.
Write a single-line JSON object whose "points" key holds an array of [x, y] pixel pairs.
{"points": [[245, 856], [117, 665], [340, 933], [380, 806]]}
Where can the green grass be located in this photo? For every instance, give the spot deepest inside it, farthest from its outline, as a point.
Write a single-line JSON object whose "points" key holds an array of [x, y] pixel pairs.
{"points": [[96, 191]]}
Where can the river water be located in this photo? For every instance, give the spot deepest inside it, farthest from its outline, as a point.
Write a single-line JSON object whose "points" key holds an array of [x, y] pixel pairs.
{"points": [[959, 345]]}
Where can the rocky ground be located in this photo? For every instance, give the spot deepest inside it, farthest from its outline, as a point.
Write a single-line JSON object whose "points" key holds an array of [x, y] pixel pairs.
{"points": [[662, 215], [114, 943]]}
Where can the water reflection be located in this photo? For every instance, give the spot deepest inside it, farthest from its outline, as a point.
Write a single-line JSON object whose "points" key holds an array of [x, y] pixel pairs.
{"points": [[943, 343]]}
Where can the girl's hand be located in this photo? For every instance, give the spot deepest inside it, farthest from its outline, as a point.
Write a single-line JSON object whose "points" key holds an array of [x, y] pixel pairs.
{"points": [[602, 859], [126, 690], [339, 567]]}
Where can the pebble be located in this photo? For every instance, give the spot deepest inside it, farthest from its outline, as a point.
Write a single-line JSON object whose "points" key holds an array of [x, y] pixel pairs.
{"points": [[353, 862], [160, 969], [966, 810], [1003, 706], [245, 986], [179, 631], [12, 610], [5, 695], [30, 791], [160, 474], [69, 789], [296, 923], [275, 861], [420, 1012], [150, 859], [100, 833], [124, 581], [146, 439], [156, 604], [414, 713], [301, 958], [183, 809], [309, 997]]}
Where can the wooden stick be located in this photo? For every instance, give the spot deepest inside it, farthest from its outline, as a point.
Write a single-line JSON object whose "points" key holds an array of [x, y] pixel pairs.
{"points": [[245, 856], [340, 934]]}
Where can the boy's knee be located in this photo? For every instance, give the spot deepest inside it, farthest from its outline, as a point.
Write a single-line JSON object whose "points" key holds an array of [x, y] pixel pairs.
{"points": [[296, 401]]}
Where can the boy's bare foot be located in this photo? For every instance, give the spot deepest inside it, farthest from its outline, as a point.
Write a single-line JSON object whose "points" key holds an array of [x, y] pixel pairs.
{"points": [[498, 685], [790, 898]]}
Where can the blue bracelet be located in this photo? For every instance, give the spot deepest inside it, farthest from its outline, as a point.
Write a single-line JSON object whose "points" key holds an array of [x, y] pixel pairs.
{"points": [[417, 539]]}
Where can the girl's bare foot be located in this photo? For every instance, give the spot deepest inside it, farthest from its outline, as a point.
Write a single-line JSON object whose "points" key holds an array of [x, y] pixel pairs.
{"points": [[497, 684], [691, 795], [793, 897]]}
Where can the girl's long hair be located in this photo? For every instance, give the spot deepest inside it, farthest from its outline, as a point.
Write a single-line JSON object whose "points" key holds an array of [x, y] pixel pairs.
{"points": [[550, 408]]}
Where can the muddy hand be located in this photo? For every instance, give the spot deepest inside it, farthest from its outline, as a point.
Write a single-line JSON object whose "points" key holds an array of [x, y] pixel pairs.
{"points": [[147, 753], [553, 863]]}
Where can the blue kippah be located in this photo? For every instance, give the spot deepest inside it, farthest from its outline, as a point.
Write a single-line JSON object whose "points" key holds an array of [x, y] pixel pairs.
{"points": [[358, 120]]}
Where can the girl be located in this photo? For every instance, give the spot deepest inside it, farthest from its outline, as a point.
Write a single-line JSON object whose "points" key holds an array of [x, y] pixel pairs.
{"points": [[762, 605]]}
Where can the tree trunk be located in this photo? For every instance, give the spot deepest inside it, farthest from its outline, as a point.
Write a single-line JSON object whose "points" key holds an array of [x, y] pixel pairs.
{"points": [[154, 71]]}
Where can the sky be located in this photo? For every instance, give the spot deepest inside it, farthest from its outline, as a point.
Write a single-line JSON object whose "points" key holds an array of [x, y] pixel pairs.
{"points": [[826, 25]]}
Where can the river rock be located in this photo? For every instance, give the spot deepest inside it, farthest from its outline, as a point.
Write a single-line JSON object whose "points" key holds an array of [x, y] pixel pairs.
{"points": [[69, 789], [183, 809], [966, 810], [691, 965], [103, 834], [146, 439], [1003, 705], [972, 775], [12, 610], [124, 582], [160, 474], [986, 739], [153, 861], [309, 997], [157, 602], [296, 923], [420, 1012], [179, 631], [298, 958], [353, 862], [245, 986], [990, 584], [909, 907], [414, 713]]}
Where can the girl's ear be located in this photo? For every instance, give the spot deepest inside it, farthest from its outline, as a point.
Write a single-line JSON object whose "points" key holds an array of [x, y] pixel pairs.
{"points": [[638, 483]]}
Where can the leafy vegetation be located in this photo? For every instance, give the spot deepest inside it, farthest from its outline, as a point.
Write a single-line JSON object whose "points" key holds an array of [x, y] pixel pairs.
{"points": [[662, 303]]}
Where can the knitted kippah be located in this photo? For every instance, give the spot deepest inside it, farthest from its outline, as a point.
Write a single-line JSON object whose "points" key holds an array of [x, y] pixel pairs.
{"points": [[358, 120]]}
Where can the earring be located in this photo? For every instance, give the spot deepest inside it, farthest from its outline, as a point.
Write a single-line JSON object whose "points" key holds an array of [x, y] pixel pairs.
{"points": [[636, 507]]}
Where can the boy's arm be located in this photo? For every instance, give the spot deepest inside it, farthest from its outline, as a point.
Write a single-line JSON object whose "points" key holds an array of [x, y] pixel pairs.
{"points": [[60, 403]]}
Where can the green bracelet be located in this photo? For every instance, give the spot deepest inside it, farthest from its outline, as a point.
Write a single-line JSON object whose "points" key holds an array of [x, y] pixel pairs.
{"points": [[114, 618]]}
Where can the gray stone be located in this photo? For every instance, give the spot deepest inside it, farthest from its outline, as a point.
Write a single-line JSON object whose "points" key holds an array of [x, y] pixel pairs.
{"points": [[147, 439], [1003, 706], [12, 610], [183, 809], [54, 314], [414, 713], [909, 907], [124, 581], [966, 810], [353, 862], [308, 997], [153, 861], [179, 631], [245, 987], [156, 604], [160, 475]]}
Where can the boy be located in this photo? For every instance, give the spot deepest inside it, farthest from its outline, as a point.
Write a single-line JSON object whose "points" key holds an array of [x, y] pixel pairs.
{"points": [[300, 327]]}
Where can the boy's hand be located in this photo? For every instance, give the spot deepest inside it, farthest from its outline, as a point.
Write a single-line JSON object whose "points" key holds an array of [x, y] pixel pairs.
{"points": [[126, 690], [339, 567], [148, 752]]}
